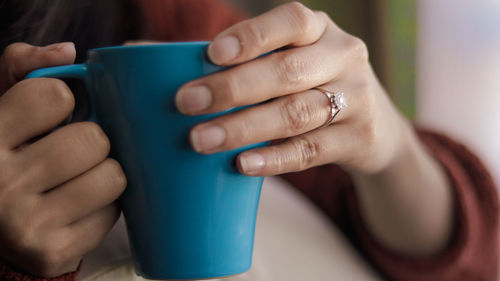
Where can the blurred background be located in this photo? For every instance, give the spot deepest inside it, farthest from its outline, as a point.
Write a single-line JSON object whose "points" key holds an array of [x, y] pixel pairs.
{"points": [[438, 59], [388, 27]]}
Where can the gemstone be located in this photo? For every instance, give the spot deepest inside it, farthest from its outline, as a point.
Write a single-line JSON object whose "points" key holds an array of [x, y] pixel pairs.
{"points": [[339, 100]]}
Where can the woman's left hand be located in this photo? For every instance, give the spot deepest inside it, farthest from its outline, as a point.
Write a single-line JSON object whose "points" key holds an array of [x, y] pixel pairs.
{"points": [[313, 52], [394, 175]]}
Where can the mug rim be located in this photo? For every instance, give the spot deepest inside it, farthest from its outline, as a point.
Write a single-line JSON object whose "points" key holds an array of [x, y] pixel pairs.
{"points": [[150, 46]]}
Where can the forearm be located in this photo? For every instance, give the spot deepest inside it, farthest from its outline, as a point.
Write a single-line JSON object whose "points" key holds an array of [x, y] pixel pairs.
{"points": [[408, 206]]}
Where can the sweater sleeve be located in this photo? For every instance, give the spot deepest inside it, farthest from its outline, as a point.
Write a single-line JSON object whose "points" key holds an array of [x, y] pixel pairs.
{"points": [[186, 20], [473, 253], [8, 273]]}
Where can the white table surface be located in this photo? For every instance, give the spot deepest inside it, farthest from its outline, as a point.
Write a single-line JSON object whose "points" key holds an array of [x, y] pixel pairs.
{"points": [[294, 241]]}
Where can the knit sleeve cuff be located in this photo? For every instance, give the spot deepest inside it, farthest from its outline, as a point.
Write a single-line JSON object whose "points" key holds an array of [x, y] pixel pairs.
{"points": [[9, 273]]}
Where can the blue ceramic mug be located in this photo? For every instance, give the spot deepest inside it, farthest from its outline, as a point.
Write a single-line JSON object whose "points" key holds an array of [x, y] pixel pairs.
{"points": [[189, 216]]}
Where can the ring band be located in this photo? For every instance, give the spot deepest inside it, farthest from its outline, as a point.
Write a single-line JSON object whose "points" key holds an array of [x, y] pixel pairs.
{"points": [[337, 103]]}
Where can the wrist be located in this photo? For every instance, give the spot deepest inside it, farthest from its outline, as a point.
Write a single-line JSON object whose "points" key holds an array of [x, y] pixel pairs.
{"points": [[413, 191], [407, 150]]}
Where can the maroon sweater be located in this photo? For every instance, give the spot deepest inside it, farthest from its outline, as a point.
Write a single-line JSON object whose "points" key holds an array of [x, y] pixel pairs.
{"points": [[472, 253]]}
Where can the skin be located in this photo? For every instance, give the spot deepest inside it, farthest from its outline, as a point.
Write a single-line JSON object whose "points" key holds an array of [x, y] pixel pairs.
{"points": [[405, 197], [57, 192]]}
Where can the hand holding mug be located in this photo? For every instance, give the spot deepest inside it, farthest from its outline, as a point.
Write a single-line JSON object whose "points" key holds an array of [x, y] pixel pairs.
{"points": [[189, 216], [393, 172], [313, 52], [57, 192]]}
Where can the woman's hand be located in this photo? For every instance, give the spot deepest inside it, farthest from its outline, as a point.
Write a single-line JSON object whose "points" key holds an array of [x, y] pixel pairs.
{"points": [[364, 137], [393, 173], [57, 192]]}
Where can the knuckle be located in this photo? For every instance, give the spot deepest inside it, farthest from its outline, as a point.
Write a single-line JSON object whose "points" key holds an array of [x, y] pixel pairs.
{"points": [[245, 133], [366, 98], [358, 48], [279, 162], [93, 136], [10, 61], [369, 103], [22, 234], [25, 237], [308, 150], [369, 133], [292, 69], [367, 128], [13, 51], [57, 94], [229, 91], [115, 174], [255, 34], [21, 216], [303, 18], [323, 15], [297, 114], [52, 259]]}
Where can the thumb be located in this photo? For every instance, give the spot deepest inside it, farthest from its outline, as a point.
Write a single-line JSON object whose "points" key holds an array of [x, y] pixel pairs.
{"points": [[19, 59]]}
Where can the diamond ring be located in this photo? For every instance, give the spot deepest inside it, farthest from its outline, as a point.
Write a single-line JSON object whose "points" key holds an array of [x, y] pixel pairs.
{"points": [[337, 103]]}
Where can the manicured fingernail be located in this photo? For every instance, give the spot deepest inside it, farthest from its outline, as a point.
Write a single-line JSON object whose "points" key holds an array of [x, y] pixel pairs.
{"points": [[193, 99], [251, 162], [224, 49], [206, 139], [60, 47]]}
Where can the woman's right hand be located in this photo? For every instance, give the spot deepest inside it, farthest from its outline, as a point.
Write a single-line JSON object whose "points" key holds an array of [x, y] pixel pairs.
{"points": [[57, 194]]}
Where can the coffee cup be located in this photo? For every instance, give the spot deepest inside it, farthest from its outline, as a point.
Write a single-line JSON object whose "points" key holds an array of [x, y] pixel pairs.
{"points": [[188, 216]]}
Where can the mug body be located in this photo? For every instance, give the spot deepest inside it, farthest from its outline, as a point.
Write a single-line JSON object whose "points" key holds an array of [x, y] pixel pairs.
{"points": [[189, 216]]}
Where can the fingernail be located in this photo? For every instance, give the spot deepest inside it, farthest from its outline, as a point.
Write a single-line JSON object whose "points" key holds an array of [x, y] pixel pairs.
{"points": [[251, 162], [207, 138], [193, 99], [224, 50], [60, 47]]}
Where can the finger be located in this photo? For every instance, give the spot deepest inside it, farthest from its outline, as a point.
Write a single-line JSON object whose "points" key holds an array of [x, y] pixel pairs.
{"points": [[32, 107], [86, 193], [84, 235], [275, 75], [90, 230], [289, 24], [332, 144], [61, 250], [291, 115], [61, 155], [19, 59]]}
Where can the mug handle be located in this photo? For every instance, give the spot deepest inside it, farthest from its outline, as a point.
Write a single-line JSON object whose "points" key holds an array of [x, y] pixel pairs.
{"points": [[77, 71]]}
